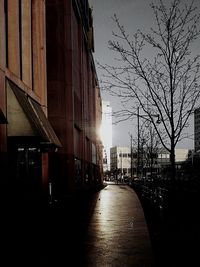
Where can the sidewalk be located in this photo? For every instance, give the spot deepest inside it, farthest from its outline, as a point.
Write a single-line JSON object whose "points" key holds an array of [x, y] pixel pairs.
{"points": [[117, 232], [106, 229]]}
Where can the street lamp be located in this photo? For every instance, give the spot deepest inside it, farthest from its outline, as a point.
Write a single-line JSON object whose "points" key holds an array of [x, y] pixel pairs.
{"points": [[131, 156]]}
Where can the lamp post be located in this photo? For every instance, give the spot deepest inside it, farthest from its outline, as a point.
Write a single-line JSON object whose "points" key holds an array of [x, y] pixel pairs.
{"points": [[138, 144], [131, 156]]}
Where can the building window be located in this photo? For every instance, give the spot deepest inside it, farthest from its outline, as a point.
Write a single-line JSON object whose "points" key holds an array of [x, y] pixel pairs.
{"points": [[13, 36], [18, 27]]}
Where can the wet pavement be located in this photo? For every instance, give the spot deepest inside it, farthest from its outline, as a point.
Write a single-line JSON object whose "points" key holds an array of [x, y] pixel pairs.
{"points": [[117, 233], [107, 228]]}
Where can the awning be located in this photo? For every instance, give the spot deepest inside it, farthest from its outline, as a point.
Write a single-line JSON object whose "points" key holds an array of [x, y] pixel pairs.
{"points": [[3, 119], [37, 118]]}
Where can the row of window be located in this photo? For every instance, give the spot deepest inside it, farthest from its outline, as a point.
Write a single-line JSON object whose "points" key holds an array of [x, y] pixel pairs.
{"points": [[113, 156], [197, 116], [24, 46]]}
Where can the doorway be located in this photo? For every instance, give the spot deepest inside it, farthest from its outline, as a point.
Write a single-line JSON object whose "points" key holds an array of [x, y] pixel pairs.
{"points": [[25, 171]]}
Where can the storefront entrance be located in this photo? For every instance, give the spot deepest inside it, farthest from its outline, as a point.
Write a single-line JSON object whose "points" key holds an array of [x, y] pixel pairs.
{"points": [[25, 171], [30, 137], [29, 169]]}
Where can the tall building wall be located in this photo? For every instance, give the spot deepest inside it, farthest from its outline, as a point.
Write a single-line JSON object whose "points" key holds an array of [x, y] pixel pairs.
{"points": [[3, 139], [47, 97], [72, 82], [23, 97], [98, 130], [197, 130]]}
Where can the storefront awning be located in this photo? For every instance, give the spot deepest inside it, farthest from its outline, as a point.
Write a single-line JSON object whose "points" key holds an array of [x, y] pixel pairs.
{"points": [[37, 118], [3, 119]]}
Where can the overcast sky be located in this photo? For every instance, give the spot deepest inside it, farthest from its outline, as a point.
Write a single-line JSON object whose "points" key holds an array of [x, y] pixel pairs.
{"points": [[133, 14]]}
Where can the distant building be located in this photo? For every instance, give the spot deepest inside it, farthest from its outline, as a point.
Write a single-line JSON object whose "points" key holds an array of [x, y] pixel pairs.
{"points": [[197, 130], [121, 161], [106, 133], [181, 154], [163, 157]]}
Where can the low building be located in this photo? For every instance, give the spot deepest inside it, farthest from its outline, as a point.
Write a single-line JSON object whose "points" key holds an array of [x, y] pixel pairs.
{"points": [[120, 160], [181, 154], [125, 161]]}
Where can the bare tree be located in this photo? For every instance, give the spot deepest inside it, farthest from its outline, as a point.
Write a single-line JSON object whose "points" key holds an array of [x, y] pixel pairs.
{"points": [[164, 81]]}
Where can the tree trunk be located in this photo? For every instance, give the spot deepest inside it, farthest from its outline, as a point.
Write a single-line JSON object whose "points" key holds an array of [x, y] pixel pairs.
{"points": [[172, 161]]}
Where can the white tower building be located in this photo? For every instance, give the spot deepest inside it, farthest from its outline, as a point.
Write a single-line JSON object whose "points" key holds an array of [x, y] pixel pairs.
{"points": [[106, 133]]}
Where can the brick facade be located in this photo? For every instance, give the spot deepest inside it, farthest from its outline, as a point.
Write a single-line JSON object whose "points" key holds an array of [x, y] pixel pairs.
{"points": [[48, 96]]}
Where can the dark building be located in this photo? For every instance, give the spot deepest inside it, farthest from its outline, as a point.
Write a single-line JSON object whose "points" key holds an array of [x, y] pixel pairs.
{"points": [[27, 135], [197, 130], [48, 86], [72, 98]]}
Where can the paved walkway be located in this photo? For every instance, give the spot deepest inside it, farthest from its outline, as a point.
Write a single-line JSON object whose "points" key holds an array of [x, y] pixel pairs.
{"points": [[107, 229], [117, 233]]}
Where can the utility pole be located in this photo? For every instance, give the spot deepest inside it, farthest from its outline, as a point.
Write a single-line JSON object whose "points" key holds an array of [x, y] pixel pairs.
{"points": [[121, 163], [138, 145], [131, 156]]}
